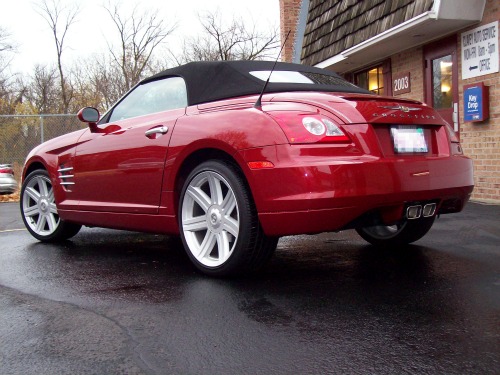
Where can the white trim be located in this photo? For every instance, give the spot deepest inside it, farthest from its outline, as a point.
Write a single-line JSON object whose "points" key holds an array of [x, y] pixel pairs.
{"points": [[435, 8], [392, 32], [378, 38], [331, 61]]}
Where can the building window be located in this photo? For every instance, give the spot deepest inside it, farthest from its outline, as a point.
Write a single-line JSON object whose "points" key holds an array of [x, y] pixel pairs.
{"points": [[372, 80], [376, 79]]}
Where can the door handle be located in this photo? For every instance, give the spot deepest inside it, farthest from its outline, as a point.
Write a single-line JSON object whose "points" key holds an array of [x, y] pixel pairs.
{"points": [[455, 117], [157, 130]]}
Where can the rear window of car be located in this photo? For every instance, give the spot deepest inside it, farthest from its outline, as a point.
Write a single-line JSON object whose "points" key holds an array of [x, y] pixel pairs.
{"points": [[282, 76]]}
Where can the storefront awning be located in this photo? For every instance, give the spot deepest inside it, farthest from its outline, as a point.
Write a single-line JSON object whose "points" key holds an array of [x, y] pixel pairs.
{"points": [[445, 18]]}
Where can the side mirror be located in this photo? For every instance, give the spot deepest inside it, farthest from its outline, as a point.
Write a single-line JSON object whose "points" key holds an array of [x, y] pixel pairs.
{"points": [[89, 115]]}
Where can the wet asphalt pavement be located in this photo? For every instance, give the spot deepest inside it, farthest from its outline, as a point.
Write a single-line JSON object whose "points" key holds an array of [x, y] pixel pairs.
{"points": [[113, 302]]}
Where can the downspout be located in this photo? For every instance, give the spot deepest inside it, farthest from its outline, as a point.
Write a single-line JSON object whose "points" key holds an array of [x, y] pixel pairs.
{"points": [[299, 33]]}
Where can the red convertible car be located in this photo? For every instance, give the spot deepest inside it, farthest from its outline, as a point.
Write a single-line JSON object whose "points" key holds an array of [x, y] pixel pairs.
{"points": [[198, 151]]}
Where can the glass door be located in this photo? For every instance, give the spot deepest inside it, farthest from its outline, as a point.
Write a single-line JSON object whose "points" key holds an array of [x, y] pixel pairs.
{"points": [[441, 79]]}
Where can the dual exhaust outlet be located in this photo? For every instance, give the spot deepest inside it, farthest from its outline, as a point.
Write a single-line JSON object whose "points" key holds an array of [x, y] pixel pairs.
{"points": [[417, 211]]}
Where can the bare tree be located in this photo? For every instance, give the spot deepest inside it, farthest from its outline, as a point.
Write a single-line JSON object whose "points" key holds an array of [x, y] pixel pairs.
{"points": [[43, 91], [232, 41], [7, 48], [140, 34], [5, 42], [59, 18], [98, 82]]}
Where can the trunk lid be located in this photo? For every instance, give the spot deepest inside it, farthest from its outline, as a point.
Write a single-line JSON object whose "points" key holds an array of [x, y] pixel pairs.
{"points": [[388, 110], [403, 128]]}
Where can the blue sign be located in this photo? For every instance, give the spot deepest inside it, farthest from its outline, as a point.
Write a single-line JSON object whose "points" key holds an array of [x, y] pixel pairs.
{"points": [[473, 103], [476, 102]]}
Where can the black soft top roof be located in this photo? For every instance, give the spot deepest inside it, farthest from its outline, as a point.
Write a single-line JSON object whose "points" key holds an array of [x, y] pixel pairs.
{"points": [[207, 81]]}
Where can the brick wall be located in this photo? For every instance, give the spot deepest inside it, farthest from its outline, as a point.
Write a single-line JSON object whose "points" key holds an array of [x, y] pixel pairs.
{"points": [[410, 61], [481, 141], [289, 16]]}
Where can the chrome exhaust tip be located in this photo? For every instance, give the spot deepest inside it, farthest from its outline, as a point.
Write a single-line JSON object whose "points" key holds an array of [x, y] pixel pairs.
{"points": [[413, 212], [429, 210]]}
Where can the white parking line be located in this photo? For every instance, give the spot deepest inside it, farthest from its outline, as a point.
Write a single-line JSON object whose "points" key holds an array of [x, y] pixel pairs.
{"points": [[12, 230]]}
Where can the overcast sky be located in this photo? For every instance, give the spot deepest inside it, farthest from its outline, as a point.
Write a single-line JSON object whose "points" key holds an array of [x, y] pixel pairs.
{"points": [[88, 35]]}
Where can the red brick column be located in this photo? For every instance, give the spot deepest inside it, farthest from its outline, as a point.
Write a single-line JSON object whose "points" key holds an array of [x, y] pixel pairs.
{"points": [[289, 16]]}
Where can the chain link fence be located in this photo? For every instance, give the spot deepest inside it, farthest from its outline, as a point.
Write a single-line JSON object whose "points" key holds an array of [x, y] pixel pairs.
{"points": [[19, 134]]}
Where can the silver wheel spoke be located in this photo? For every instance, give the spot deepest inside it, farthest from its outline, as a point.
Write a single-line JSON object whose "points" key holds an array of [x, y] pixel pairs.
{"points": [[53, 208], [199, 197], [42, 185], [40, 224], [229, 203], [232, 226], [215, 189], [207, 244], [195, 224], [50, 196], [52, 222], [224, 246], [33, 194], [31, 211]]}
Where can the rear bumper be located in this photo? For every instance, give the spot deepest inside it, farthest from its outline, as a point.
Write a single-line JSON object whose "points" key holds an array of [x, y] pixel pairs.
{"points": [[331, 219], [318, 194]]}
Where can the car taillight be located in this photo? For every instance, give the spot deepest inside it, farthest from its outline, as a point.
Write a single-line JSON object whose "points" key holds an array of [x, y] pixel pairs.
{"points": [[6, 170], [309, 128]]}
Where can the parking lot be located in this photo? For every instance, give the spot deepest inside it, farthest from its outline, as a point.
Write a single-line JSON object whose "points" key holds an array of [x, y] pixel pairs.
{"points": [[110, 302]]}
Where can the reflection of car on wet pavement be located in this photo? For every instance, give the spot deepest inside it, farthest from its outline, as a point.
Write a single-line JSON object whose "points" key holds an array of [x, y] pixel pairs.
{"points": [[8, 183], [198, 151]]}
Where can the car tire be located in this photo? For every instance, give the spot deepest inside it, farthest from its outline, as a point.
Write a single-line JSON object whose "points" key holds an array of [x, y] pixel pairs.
{"points": [[396, 235], [39, 210], [218, 222]]}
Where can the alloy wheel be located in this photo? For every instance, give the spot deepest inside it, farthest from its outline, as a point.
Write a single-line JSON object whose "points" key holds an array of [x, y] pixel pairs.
{"points": [[210, 218], [38, 206]]}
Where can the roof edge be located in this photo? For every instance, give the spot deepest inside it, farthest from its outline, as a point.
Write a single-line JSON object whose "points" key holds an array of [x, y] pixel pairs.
{"points": [[380, 38], [452, 14]]}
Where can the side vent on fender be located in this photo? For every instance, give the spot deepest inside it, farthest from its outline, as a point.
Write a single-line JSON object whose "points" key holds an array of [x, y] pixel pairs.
{"points": [[66, 177]]}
